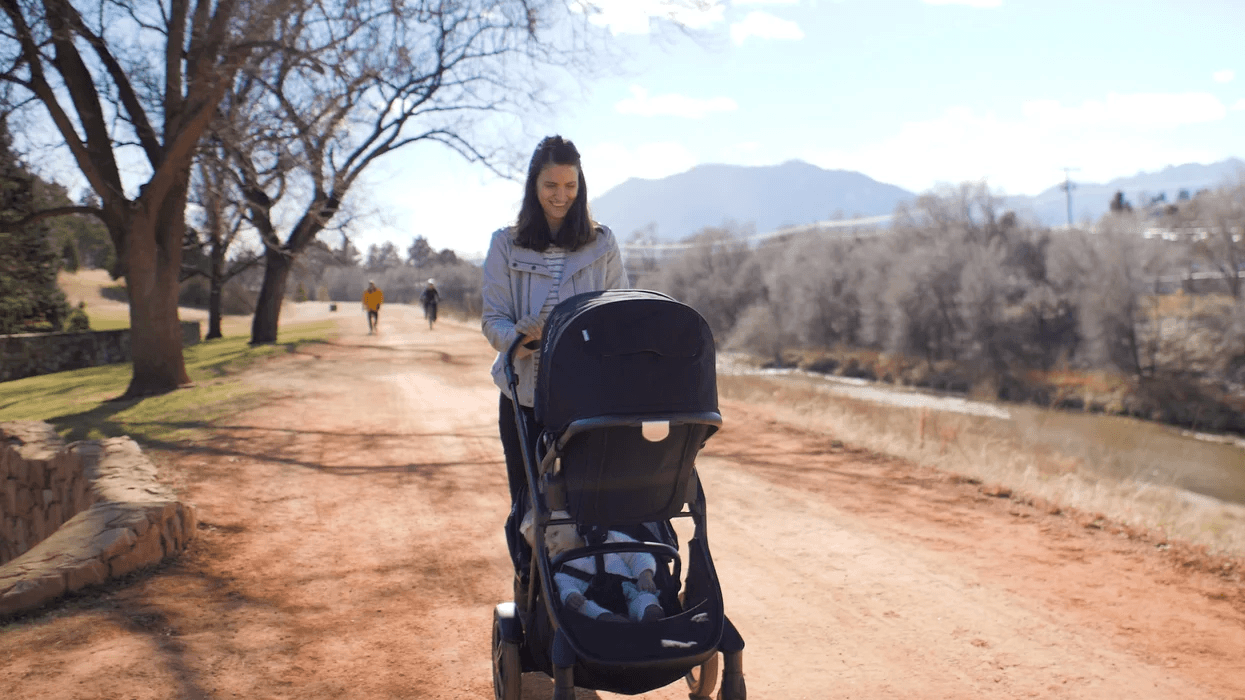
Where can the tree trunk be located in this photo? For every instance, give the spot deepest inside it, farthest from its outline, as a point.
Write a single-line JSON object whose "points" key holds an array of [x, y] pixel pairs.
{"points": [[277, 264], [216, 281], [154, 263]]}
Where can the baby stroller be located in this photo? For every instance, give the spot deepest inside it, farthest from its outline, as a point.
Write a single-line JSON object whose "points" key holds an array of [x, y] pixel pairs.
{"points": [[626, 396]]}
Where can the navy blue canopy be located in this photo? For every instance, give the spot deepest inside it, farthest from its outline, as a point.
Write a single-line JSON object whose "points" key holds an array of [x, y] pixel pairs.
{"points": [[624, 352]]}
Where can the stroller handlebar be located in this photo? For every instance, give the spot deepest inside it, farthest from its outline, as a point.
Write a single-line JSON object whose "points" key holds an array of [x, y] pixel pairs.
{"points": [[525, 440], [511, 377], [657, 548]]}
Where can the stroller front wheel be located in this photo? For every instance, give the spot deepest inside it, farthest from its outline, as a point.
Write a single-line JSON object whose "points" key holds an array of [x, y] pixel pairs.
{"points": [[507, 668], [702, 679]]}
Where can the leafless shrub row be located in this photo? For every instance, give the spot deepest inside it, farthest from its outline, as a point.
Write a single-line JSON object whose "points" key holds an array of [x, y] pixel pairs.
{"points": [[1150, 297]]}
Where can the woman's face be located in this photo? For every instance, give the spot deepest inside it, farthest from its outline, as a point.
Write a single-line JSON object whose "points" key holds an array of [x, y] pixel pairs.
{"points": [[556, 188]]}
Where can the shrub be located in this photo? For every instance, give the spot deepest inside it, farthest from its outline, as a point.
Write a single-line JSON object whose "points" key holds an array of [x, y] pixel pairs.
{"points": [[78, 322]]}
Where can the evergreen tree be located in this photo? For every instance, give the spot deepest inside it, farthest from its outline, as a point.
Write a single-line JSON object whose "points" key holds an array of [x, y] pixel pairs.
{"points": [[69, 255], [29, 296], [86, 232], [1119, 205], [420, 253]]}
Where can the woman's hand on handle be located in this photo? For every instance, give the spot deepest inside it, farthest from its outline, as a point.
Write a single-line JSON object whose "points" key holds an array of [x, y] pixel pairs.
{"points": [[530, 326]]}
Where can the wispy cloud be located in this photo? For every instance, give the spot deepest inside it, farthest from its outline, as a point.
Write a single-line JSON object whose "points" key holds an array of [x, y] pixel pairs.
{"points": [[1224, 76], [1106, 138], [1239, 105], [765, 26], [969, 3], [1137, 111], [645, 105], [636, 16], [742, 3]]}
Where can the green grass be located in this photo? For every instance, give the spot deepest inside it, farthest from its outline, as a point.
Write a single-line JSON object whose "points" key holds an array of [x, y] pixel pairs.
{"points": [[81, 404], [105, 321]]}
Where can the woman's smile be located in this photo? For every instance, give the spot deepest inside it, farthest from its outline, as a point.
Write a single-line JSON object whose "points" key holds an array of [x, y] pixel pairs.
{"points": [[556, 188]]}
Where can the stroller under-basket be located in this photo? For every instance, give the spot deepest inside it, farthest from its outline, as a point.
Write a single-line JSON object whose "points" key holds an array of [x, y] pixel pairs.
{"points": [[626, 396]]}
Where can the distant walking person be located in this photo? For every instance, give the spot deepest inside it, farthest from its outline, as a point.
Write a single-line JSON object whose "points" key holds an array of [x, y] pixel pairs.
{"points": [[372, 299], [430, 298]]}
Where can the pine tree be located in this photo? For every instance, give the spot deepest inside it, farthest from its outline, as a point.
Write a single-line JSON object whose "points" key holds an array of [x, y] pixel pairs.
{"points": [[29, 296], [69, 255]]}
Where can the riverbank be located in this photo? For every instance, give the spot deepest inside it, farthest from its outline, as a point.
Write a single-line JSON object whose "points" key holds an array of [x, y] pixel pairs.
{"points": [[1146, 475]]}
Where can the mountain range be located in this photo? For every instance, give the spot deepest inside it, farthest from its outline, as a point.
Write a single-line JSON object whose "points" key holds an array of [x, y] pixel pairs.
{"points": [[765, 198], [1091, 200]]}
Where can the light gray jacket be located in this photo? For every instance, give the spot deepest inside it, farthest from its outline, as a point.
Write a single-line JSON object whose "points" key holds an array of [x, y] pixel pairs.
{"points": [[516, 284]]}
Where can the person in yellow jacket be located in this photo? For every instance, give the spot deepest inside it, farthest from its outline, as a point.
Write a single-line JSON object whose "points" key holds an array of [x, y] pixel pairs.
{"points": [[372, 299]]}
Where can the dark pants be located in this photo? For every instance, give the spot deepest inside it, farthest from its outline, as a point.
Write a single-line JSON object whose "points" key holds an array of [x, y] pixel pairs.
{"points": [[516, 473], [373, 319]]}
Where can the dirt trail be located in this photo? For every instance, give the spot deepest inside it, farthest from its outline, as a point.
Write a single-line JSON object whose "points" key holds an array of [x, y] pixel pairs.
{"points": [[351, 548]]}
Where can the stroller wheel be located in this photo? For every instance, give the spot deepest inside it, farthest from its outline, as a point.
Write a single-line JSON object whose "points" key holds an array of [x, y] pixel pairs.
{"points": [[507, 669], [702, 679]]}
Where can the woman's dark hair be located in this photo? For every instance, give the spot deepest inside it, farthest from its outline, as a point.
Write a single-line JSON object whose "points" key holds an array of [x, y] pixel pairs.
{"points": [[532, 229]]}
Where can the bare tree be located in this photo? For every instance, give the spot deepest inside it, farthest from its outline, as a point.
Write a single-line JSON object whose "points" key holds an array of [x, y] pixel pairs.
{"points": [[923, 293], [1214, 228], [365, 79], [969, 211], [221, 221], [819, 283], [91, 73], [640, 253], [383, 256], [1113, 273], [718, 275]]}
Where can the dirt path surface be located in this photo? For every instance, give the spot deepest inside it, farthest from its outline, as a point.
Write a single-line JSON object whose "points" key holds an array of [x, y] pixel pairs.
{"points": [[350, 547]]}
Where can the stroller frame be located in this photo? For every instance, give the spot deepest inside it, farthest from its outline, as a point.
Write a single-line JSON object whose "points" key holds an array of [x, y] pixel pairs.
{"points": [[535, 616]]}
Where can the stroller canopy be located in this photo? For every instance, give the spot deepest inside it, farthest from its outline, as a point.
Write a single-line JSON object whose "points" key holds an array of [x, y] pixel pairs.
{"points": [[624, 352]]}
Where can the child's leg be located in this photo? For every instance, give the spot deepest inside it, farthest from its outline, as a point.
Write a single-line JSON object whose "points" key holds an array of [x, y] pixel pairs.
{"points": [[569, 586], [641, 606]]}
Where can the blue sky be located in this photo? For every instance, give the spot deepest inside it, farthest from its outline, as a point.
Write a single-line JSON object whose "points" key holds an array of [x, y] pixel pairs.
{"points": [[909, 92]]}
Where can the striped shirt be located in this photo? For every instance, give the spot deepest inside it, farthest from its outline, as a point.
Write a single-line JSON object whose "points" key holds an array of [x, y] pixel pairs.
{"points": [[555, 259]]}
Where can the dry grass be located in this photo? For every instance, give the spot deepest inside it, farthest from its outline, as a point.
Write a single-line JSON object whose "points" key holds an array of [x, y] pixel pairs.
{"points": [[1133, 473], [1181, 305]]}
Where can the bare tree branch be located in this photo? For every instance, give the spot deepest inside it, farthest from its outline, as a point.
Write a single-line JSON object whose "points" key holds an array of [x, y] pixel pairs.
{"points": [[41, 215]]}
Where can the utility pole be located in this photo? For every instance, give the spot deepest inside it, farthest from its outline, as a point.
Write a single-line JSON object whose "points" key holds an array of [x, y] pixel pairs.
{"points": [[1067, 187]]}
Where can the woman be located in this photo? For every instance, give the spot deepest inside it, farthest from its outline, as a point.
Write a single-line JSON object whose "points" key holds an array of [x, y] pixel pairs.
{"points": [[552, 252]]}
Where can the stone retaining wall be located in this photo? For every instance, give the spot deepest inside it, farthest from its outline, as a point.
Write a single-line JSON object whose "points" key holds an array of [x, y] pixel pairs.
{"points": [[31, 354], [77, 515]]}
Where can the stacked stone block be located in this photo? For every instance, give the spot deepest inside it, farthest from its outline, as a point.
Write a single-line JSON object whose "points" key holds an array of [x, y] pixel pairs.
{"points": [[44, 485], [77, 515]]}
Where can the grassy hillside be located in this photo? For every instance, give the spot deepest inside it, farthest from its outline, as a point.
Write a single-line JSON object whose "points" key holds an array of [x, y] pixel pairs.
{"points": [[107, 313]]}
